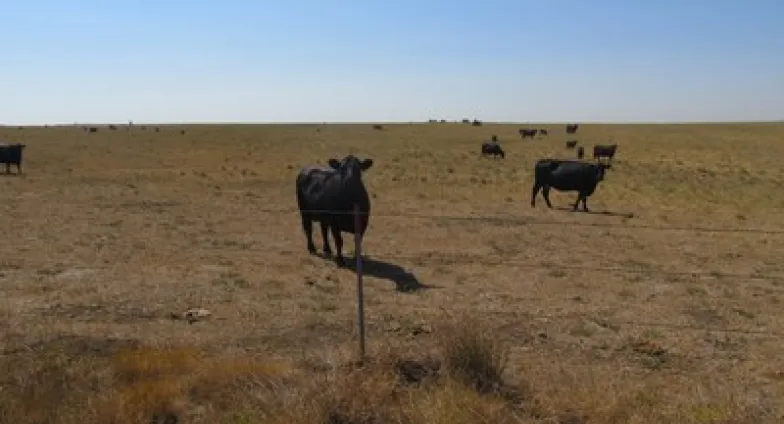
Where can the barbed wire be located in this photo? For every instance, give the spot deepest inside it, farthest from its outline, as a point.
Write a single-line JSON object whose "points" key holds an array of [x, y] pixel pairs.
{"points": [[440, 258], [606, 321], [494, 219], [522, 220]]}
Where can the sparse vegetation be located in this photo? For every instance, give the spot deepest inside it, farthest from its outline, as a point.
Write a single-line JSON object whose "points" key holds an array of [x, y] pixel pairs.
{"points": [[106, 235]]}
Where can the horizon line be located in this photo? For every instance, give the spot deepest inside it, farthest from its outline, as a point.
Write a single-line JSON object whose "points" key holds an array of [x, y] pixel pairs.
{"points": [[397, 122]]}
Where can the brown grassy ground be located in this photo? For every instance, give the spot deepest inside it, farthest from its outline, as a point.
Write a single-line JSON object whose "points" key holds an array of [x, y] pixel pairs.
{"points": [[106, 234]]}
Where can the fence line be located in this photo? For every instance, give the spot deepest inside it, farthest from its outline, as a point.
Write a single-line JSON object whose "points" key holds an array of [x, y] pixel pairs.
{"points": [[640, 324], [495, 219], [360, 269], [427, 258], [522, 220]]}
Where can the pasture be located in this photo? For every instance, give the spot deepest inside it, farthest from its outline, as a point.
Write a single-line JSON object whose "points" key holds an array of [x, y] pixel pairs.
{"points": [[638, 312]]}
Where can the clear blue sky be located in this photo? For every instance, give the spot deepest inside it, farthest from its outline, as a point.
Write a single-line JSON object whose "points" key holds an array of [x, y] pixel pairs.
{"points": [[365, 60]]}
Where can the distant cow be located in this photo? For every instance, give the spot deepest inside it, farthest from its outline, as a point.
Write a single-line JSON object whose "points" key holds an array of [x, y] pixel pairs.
{"points": [[476, 123], [580, 152], [543, 132], [378, 127], [93, 129], [328, 195], [567, 175], [603, 150], [524, 132], [492, 148], [571, 128], [113, 127], [11, 154], [571, 144]]}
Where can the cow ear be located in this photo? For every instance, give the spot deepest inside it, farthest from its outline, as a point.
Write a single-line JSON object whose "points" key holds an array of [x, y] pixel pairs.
{"points": [[334, 163], [367, 163]]}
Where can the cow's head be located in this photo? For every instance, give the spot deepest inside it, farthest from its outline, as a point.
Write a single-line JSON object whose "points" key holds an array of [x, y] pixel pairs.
{"points": [[350, 169]]}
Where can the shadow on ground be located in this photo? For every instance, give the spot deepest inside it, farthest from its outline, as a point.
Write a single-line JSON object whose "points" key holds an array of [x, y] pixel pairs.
{"points": [[404, 281], [596, 212]]}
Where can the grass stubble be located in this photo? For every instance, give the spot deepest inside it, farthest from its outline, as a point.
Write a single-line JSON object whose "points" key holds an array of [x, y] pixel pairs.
{"points": [[108, 234]]}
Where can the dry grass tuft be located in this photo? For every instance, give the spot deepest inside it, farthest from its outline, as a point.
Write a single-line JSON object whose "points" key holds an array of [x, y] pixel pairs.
{"points": [[474, 355]]}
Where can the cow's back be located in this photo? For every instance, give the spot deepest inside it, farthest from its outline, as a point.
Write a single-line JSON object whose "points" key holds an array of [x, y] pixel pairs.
{"points": [[314, 187], [10, 153], [568, 175]]}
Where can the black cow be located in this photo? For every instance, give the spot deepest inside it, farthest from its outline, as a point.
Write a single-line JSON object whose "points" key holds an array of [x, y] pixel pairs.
{"points": [[476, 123], [543, 132], [328, 195], [567, 175], [571, 128], [527, 133], [11, 154], [492, 148], [580, 152], [378, 127], [570, 144], [603, 150]]}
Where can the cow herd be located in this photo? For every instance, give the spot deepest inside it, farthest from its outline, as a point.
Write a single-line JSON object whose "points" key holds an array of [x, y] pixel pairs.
{"points": [[329, 194]]}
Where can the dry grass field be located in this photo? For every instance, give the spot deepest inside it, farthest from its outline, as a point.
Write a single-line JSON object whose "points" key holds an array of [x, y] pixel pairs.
{"points": [[634, 313]]}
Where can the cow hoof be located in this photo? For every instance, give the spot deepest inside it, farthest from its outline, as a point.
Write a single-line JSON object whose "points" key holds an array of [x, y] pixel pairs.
{"points": [[340, 262], [312, 250]]}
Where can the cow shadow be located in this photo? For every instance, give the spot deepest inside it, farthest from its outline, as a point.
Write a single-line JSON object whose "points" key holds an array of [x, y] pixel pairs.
{"points": [[405, 281], [595, 212]]}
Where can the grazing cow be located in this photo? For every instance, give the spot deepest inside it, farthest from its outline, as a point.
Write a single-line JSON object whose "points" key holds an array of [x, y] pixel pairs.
{"points": [[571, 128], [567, 175], [580, 152], [524, 132], [543, 132], [571, 144], [603, 150], [492, 148], [113, 127], [476, 123], [378, 127], [11, 154], [93, 129], [328, 195]]}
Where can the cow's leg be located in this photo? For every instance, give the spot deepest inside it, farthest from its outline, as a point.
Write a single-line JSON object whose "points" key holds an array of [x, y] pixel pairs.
{"points": [[577, 202], [546, 195], [8, 167], [585, 205], [534, 192], [307, 227], [325, 236], [338, 245]]}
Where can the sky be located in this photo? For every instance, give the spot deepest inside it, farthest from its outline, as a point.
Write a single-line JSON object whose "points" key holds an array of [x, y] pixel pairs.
{"points": [[375, 60]]}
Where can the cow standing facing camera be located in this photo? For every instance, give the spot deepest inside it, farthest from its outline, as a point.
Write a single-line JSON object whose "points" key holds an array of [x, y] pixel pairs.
{"points": [[327, 195]]}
